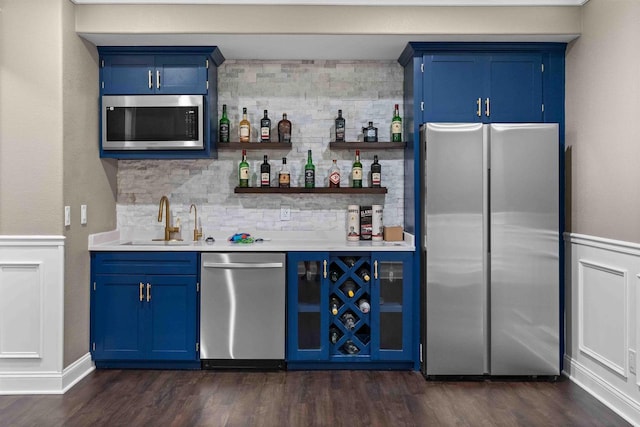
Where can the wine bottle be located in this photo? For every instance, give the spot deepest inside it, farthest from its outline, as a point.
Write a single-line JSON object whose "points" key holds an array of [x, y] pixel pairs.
{"points": [[356, 172], [284, 129], [349, 288], [223, 129], [309, 172], [351, 348], [334, 304], [334, 175], [340, 126], [265, 128], [370, 133], [334, 334], [375, 176], [364, 305], [284, 177], [243, 171], [348, 320], [265, 173], [245, 127], [396, 125], [363, 273], [349, 260], [334, 275]]}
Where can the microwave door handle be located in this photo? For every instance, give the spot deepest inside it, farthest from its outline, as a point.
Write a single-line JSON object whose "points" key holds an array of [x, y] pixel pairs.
{"points": [[150, 82], [158, 79]]}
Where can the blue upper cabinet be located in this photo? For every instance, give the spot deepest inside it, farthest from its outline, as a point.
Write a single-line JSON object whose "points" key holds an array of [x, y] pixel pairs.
{"points": [[482, 87]]}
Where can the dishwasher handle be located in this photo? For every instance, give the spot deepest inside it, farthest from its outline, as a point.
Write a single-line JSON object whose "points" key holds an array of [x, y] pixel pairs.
{"points": [[242, 264]]}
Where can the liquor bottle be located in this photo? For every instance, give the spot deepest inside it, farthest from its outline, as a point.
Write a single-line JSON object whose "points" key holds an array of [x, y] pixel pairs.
{"points": [[396, 126], [334, 175], [349, 288], [351, 348], [265, 173], [284, 177], [334, 275], [243, 171], [334, 305], [245, 127], [375, 176], [309, 172], [363, 273], [340, 125], [265, 128], [370, 133], [284, 129], [364, 305], [224, 125], [348, 320], [356, 172], [334, 334]]}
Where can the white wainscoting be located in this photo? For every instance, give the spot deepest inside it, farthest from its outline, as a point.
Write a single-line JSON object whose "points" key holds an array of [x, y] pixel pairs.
{"points": [[32, 317], [602, 302]]}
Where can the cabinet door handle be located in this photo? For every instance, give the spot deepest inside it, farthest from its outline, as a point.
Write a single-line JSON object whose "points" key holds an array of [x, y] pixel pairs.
{"points": [[148, 292], [158, 79], [375, 269], [487, 105], [141, 291], [150, 80], [324, 268], [479, 104]]}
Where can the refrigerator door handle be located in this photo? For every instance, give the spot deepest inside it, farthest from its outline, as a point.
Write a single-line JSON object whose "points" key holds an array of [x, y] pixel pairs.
{"points": [[489, 210]]}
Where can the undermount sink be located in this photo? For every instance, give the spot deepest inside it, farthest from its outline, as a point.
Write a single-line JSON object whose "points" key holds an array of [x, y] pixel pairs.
{"points": [[157, 242]]}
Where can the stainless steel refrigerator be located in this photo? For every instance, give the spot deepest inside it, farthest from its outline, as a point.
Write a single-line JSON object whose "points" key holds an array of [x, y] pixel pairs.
{"points": [[491, 249]]}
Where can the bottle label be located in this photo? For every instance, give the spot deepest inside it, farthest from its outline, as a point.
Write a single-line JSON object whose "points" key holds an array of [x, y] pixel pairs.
{"points": [[376, 178], [371, 133], [396, 127], [224, 132], [244, 173], [264, 179], [283, 179], [334, 178], [309, 177], [265, 133], [356, 173], [244, 131]]}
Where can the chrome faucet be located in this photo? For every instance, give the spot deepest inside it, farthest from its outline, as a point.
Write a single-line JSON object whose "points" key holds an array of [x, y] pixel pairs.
{"points": [[197, 233], [168, 229]]}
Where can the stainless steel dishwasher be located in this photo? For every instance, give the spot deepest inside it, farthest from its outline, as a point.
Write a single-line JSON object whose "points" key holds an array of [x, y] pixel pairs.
{"points": [[242, 310]]}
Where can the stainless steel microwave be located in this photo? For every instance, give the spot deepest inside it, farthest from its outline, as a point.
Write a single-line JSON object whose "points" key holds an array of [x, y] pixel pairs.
{"points": [[153, 122]]}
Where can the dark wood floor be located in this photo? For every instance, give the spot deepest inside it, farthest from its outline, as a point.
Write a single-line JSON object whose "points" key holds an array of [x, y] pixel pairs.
{"points": [[320, 398]]}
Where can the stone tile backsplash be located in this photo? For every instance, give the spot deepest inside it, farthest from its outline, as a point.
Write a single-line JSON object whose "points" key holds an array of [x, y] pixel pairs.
{"points": [[310, 92]]}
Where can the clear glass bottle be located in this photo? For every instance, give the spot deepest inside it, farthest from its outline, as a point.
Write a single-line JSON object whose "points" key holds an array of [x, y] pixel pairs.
{"points": [[334, 175], [396, 125], [243, 171], [223, 129], [245, 127], [265, 173], [340, 127], [375, 176], [284, 129], [309, 172], [284, 176], [265, 128], [348, 320], [356, 172], [351, 348]]}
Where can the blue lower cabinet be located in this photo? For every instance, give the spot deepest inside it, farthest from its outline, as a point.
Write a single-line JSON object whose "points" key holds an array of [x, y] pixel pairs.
{"points": [[147, 319], [350, 311]]}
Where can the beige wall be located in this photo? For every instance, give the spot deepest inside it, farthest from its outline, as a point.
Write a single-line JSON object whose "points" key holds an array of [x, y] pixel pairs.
{"points": [[603, 121]]}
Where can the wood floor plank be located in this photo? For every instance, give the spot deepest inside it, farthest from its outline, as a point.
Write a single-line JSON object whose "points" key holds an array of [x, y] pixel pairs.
{"points": [[299, 398]]}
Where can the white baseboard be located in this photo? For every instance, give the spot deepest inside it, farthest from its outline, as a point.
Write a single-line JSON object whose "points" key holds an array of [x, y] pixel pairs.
{"points": [[44, 382]]}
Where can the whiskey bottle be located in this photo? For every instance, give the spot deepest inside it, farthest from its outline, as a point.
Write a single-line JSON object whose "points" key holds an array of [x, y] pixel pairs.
{"points": [[265, 128], [396, 126], [309, 172], [284, 129], [356, 172], [334, 175], [223, 129], [340, 126], [265, 173], [375, 176], [284, 177], [245, 127], [243, 171], [370, 133]]}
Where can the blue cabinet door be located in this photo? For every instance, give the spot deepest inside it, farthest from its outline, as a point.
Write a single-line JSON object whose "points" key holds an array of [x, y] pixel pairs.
{"points": [[117, 331], [171, 318], [392, 320], [181, 74], [453, 88], [128, 75], [307, 306]]}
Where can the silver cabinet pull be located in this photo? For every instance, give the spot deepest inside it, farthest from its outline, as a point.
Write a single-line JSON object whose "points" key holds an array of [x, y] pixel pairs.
{"points": [[487, 110], [150, 80], [158, 79], [479, 104]]}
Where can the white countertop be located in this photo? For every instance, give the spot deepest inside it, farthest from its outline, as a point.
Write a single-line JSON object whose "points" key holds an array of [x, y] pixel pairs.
{"points": [[284, 241]]}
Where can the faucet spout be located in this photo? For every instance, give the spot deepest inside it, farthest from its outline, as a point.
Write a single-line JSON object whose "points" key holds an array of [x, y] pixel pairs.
{"points": [[168, 229], [197, 233]]}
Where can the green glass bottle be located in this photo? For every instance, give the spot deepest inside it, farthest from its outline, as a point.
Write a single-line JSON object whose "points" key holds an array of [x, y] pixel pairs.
{"points": [[356, 172], [309, 172], [243, 171], [224, 125], [396, 126]]}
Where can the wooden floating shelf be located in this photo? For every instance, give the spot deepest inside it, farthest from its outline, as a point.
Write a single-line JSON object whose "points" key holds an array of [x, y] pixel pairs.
{"points": [[254, 146], [359, 145], [319, 190]]}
